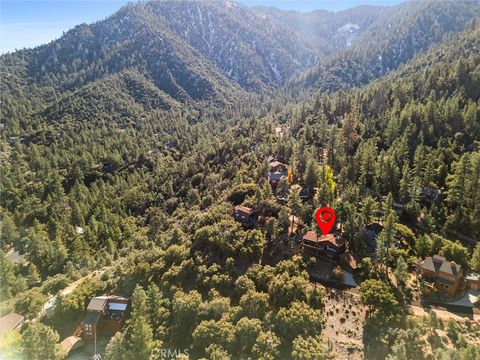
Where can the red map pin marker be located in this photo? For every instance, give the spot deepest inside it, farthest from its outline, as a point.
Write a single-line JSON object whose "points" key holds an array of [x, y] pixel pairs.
{"points": [[325, 218]]}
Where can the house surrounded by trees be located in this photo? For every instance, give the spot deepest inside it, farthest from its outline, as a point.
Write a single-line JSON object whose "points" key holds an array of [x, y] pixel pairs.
{"points": [[447, 275], [105, 315]]}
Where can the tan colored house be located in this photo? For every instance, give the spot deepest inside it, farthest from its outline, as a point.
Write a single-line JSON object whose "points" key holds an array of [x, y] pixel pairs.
{"points": [[277, 166], [473, 281], [302, 192], [447, 275]]}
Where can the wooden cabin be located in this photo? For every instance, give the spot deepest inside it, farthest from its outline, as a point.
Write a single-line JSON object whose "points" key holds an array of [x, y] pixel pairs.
{"points": [[245, 215], [277, 166], [106, 315], [329, 245], [473, 281]]}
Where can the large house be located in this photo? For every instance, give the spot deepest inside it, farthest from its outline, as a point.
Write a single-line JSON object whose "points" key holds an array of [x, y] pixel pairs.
{"points": [[447, 275], [277, 171], [245, 215], [105, 316], [328, 245]]}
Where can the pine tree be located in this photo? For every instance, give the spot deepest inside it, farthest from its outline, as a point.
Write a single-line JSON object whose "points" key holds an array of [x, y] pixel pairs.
{"points": [[386, 241], [456, 181], [349, 134], [311, 178], [401, 272], [140, 335], [475, 262], [404, 191], [295, 204], [40, 342], [115, 349]]}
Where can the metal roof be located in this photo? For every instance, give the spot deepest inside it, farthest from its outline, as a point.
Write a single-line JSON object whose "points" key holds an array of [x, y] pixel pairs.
{"points": [[117, 306], [97, 303]]}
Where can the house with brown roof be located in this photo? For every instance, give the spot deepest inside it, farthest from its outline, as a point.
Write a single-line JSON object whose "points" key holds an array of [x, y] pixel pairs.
{"points": [[447, 275], [276, 165], [11, 322], [329, 245], [245, 215], [105, 316]]}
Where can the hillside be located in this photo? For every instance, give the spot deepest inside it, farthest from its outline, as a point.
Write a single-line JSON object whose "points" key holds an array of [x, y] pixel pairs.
{"points": [[328, 31], [391, 40], [175, 154], [193, 52]]}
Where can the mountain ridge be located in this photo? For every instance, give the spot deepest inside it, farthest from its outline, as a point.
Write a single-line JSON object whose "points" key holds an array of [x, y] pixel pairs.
{"points": [[220, 51]]}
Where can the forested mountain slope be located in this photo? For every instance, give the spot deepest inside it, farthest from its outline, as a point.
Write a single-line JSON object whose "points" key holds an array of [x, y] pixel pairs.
{"points": [[116, 161], [328, 31], [211, 51], [394, 38]]}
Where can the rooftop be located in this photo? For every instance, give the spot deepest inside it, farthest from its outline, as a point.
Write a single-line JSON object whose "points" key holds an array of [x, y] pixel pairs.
{"points": [[474, 277], [349, 259], [97, 303], [313, 236], [276, 163], [10, 322], [244, 209], [71, 343], [277, 175], [438, 263]]}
